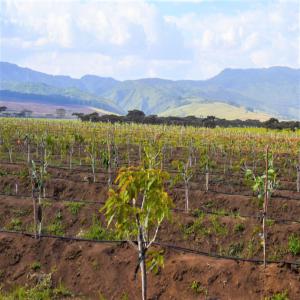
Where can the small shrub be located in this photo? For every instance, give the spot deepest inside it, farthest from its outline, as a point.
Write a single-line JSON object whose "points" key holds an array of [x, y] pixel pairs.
{"points": [[270, 222], [15, 224], [197, 288], [209, 204], [294, 244], [197, 227], [279, 296], [56, 228], [36, 266], [21, 212], [218, 228], [235, 249], [240, 227], [42, 291], [74, 207], [97, 232]]}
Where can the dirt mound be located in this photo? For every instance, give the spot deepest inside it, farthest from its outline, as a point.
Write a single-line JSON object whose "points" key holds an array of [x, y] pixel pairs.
{"points": [[88, 269]]}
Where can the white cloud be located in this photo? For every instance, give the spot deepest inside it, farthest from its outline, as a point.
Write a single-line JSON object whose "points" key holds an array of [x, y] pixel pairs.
{"points": [[135, 39]]}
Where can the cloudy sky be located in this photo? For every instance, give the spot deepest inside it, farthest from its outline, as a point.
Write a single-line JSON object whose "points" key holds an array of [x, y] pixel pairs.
{"points": [[167, 39]]}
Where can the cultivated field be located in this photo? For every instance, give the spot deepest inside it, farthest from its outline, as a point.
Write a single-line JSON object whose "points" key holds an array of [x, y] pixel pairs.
{"points": [[54, 239]]}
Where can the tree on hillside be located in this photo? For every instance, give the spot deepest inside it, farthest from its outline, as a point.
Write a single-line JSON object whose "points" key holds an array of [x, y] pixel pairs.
{"points": [[137, 210], [60, 112], [272, 123], [135, 115], [3, 108]]}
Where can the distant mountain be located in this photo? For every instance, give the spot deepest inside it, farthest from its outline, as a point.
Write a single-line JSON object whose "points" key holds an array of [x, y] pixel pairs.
{"points": [[258, 93]]}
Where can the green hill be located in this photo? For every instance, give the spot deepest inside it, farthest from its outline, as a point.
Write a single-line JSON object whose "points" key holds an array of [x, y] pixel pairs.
{"points": [[240, 92]]}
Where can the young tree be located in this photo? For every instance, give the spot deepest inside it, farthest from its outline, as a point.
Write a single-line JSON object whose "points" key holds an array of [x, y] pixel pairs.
{"points": [[185, 173], [264, 185], [38, 178], [137, 210]]}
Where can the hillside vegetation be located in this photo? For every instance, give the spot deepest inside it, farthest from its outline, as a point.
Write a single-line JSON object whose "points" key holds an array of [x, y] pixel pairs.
{"points": [[247, 93]]}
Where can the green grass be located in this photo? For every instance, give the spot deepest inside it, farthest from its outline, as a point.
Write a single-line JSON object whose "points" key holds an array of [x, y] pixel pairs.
{"points": [[97, 232], [198, 289], [279, 296], [15, 224], [42, 291], [238, 228], [56, 228], [235, 249], [35, 266], [74, 207], [198, 227], [294, 244]]}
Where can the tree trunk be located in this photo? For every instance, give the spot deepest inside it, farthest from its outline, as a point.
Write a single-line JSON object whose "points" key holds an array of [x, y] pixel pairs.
{"points": [[70, 162], [34, 216], [93, 170], [142, 260], [28, 153], [144, 279], [298, 178], [109, 164], [140, 153], [10, 155], [186, 190], [206, 180], [79, 155]]}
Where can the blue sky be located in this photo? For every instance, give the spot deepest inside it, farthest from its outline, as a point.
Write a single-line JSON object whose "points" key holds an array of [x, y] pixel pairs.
{"points": [[135, 39]]}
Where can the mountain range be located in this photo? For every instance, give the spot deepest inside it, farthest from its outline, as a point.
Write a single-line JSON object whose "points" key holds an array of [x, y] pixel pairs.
{"points": [[233, 93]]}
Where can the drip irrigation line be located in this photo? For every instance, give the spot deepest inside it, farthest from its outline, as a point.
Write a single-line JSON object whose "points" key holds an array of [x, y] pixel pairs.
{"points": [[167, 143], [163, 245], [179, 210], [113, 173], [170, 171]]}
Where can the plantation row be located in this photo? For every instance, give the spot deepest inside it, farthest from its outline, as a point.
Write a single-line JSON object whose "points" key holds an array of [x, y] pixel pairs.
{"points": [[232, 192], [217, 233]]}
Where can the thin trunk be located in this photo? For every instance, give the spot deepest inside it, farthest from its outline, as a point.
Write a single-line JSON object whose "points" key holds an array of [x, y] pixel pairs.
{"points": [[28, 152], [93, 169], [70, 162], [34, 215], [298, 178], [144, 279], [265, 206], [186, 189], [109, 164], [10, 155], [128, 154], [140, 153], [163, 154], [206, 180], [16, 188], [40, 214], [79, 155], [142, 259]]}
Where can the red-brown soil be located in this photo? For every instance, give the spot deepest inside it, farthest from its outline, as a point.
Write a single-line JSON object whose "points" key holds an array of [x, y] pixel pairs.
{"points": [[87, 269]]}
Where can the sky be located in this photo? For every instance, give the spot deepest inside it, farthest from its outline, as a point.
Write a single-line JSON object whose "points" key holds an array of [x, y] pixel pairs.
{"points": [[137, 39]]}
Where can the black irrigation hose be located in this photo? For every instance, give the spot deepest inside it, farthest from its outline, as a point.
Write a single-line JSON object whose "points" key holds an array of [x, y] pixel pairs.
{"points": [[211, 182], [179, 210], [163, 245], [170, 171], [235, 215], [274, 197]]}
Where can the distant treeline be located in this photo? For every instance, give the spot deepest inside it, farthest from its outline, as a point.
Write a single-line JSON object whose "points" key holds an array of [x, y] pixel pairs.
{"points": [[138, 116]]}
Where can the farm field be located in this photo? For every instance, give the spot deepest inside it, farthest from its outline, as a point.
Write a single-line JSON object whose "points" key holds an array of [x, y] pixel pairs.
{"points": [[212, 245]]}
